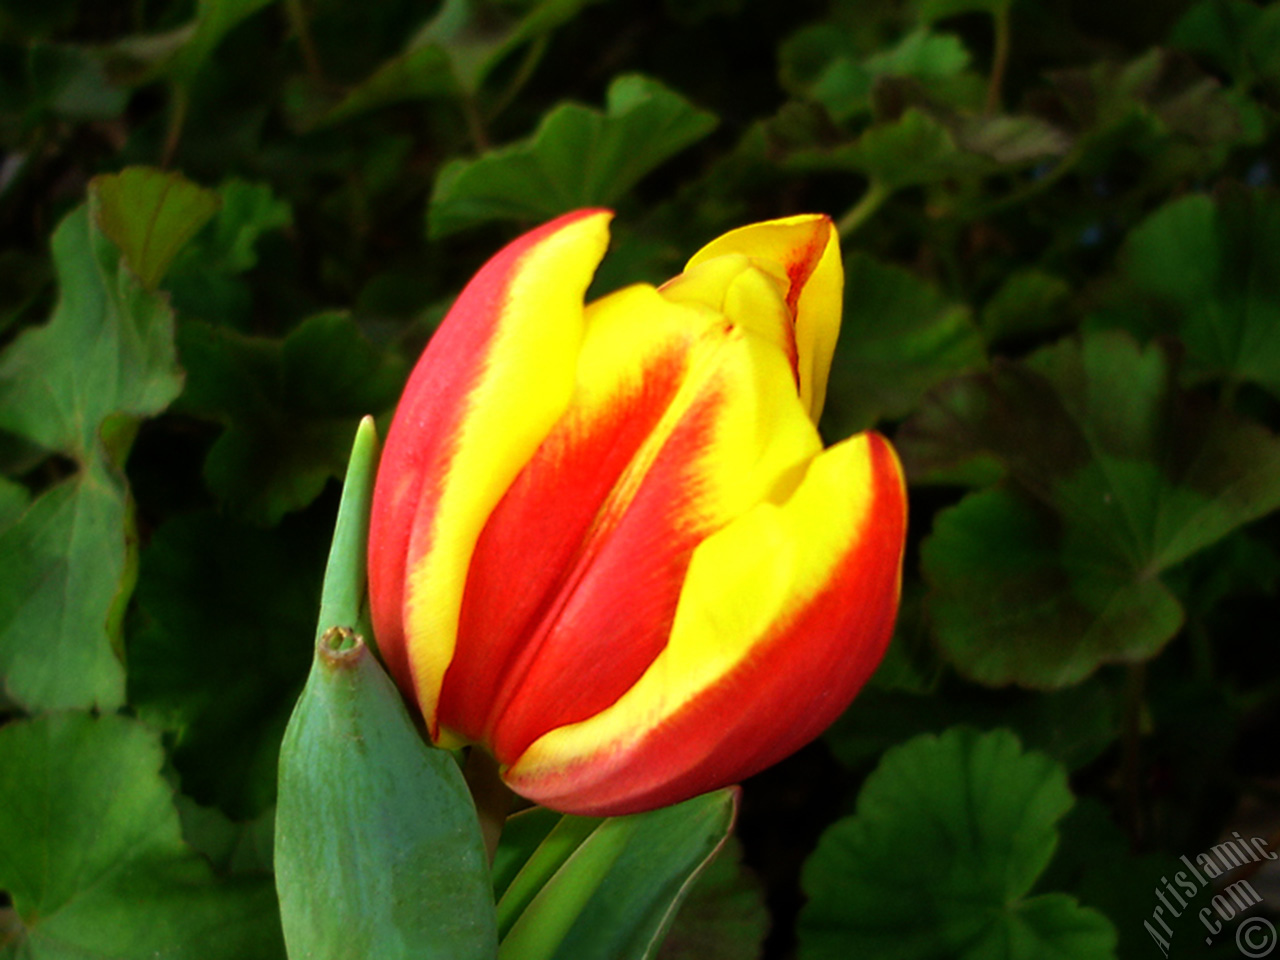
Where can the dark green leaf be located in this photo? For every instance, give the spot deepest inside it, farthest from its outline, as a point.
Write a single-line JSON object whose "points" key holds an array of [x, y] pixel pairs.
{"points": [[899, 338], [931, 10], [1217, 267], [220, 646], [180, 54], [378, 849], [453, 54], [950, 835], [1028, 303], [1073, 725], [205, 279], [911, 150], [291, 408], [578, 157], [71, 82], [91, 852], [1115, 476], [824, 63]]}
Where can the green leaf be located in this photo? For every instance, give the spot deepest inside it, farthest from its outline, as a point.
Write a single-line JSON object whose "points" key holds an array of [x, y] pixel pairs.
{"points": [[67, 570], [1096, 860], [107, 350], [1220, 30], [612, 887], [824, 63], [149, 215], [452, 54], [205, 278], [578, 157], [908, 151], [931, 10], [378, 849], [899, 337], [14, 499], [180, 54], [1216, 267], [950, 836], [290, 407], [219, 647], [79, 385], [92, 855], [71, 83], [1028, 303], [1114, 476]]}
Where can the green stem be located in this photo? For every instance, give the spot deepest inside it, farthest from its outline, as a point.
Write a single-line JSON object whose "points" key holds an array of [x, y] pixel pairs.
{"points": [[492, 797], [301, 27], [876, 194], [532, 56], [180, 99], [475, 123], [1131, 762], [1000, 58]]}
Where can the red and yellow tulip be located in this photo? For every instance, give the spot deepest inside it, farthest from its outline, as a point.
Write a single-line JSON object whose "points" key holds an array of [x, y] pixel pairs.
{"points": [[607, 543]]}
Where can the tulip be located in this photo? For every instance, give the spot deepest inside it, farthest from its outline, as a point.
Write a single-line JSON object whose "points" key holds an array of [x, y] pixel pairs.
{"points": [[607, 544]]}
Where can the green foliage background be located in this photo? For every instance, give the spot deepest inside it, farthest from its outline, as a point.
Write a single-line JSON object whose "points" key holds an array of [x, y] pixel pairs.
{"points": [[1063, 304]]}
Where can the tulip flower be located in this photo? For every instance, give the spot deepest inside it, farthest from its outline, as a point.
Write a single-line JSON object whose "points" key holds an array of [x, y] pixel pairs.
{"points": [[607, 544]]}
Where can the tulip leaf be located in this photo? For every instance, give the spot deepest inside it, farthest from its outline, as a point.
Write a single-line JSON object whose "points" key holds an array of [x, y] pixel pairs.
{"points": [[1114, 476], [579, 157], [1215, 267], [612, 887], [724, 917], [290, 408], [378, 849], [899, 337], [91, 853], [219, 648], [78, 386], [950, 836]]}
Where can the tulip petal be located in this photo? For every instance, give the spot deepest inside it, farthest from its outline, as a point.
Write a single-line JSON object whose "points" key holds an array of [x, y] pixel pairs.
{"points": [[682, 422], [492, 382], [784, 614], [808, 249]]}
